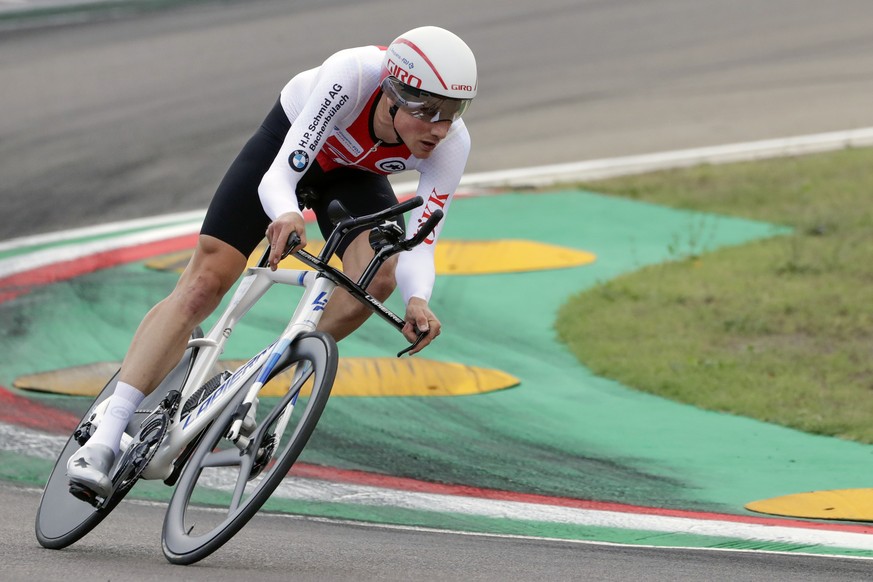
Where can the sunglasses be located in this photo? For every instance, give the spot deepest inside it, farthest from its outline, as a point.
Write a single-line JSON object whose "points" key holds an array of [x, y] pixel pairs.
{"points": [[423, 105]]}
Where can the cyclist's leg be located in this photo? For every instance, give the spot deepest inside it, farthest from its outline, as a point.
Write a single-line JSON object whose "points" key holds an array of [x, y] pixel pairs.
{"points": [[234, 225], [163, 334], [361, 192], [157, 346]]}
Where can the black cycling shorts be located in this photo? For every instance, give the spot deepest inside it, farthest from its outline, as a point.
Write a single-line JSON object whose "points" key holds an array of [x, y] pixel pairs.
{"points": [[236, 216]]}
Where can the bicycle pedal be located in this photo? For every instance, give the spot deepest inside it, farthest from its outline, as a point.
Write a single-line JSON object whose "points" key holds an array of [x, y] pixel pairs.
{"points": [[84, 494]]}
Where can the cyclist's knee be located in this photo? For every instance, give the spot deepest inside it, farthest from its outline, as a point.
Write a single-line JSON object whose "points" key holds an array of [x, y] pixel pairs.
{"points": [[212, 271], [198, 295], [383, 285]]}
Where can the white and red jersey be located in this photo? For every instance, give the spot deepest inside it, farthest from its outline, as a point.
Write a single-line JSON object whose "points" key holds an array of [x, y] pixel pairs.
{"points": [[331, 110]]}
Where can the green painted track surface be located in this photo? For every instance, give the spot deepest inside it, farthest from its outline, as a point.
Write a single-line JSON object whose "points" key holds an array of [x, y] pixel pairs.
{"points": [[561, 432]]}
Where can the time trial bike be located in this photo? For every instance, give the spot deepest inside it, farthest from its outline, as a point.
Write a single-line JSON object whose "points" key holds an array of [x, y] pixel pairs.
{"points": [[216, 435]]}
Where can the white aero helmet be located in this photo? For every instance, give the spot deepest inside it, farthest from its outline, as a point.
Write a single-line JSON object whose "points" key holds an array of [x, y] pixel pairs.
{"points": [[431, 74]]}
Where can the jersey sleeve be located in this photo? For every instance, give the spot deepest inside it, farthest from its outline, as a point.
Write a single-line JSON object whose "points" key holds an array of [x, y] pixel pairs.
{"points": [[325, 96], [440, 176]]}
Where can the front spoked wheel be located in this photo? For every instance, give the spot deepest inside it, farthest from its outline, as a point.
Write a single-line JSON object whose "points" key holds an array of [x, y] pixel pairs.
{"points": [[237, 480]]}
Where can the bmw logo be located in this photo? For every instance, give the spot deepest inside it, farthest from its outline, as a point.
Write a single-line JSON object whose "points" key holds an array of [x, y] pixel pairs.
{"points": [[299, 160]]}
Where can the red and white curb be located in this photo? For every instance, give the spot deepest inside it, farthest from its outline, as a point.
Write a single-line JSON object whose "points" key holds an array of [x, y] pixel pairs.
{"points": [[188, 223], [325, 485]]}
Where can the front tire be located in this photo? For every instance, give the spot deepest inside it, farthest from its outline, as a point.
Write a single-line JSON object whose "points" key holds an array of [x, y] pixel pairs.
{"points": [[236, 481]]}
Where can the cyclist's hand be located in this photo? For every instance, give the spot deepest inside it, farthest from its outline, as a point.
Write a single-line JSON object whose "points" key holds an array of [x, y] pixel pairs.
{"points": [[278, 233], [419, 317]]}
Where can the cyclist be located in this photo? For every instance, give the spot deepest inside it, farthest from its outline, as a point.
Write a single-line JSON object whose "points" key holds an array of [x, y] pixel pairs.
{"points": [[336, 132]]}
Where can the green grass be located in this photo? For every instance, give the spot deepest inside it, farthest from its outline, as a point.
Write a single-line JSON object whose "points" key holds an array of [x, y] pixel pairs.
{"points": [[780, 329]]}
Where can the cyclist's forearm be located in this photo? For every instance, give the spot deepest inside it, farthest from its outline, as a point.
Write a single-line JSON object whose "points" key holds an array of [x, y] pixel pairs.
{"points": [[415, 274]]}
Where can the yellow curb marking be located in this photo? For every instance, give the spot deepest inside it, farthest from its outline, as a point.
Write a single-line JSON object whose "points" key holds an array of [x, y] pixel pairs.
{"points": [[355, 377], [845, 504], [451, 257]]}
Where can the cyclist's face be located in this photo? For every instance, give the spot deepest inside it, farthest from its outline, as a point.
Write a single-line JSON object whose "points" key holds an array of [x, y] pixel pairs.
{"points": [[420, 136]]}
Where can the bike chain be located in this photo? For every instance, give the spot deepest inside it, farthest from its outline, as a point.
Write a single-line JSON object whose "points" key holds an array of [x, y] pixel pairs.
{"points": [[144, 446]]}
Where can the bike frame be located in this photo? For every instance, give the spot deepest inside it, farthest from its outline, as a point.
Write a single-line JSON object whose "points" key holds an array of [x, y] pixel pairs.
{"points": [[319, 286], [252, 287], [201, 415]]}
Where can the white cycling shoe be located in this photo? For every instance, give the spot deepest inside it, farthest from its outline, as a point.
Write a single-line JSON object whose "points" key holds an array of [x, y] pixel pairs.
{"points": [[89, 467]]}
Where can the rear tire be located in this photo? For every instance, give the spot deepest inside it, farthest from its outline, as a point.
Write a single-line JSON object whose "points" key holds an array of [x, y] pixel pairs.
{"points": [[218, 473], [63, 519]]}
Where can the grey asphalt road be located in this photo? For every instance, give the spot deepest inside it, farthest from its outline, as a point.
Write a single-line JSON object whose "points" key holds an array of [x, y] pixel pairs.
{"points": [[142, 116], [126, 546]]}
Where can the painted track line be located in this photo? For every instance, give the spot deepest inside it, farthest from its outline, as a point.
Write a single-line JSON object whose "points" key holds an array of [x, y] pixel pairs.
{"points": [[566, 540], [532, 176], [264, 514], [626, 165], [123, 227], [28, 258], [310, 484]]}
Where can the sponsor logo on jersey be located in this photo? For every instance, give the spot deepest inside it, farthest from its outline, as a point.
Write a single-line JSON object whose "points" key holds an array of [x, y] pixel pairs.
{"points": [[320, 123], [298, 160], [434, 201], [392, 165], [348, 142]]}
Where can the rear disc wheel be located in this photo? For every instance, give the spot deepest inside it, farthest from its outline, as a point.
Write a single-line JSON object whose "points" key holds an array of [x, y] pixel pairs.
{"points": [[62, 518]]}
